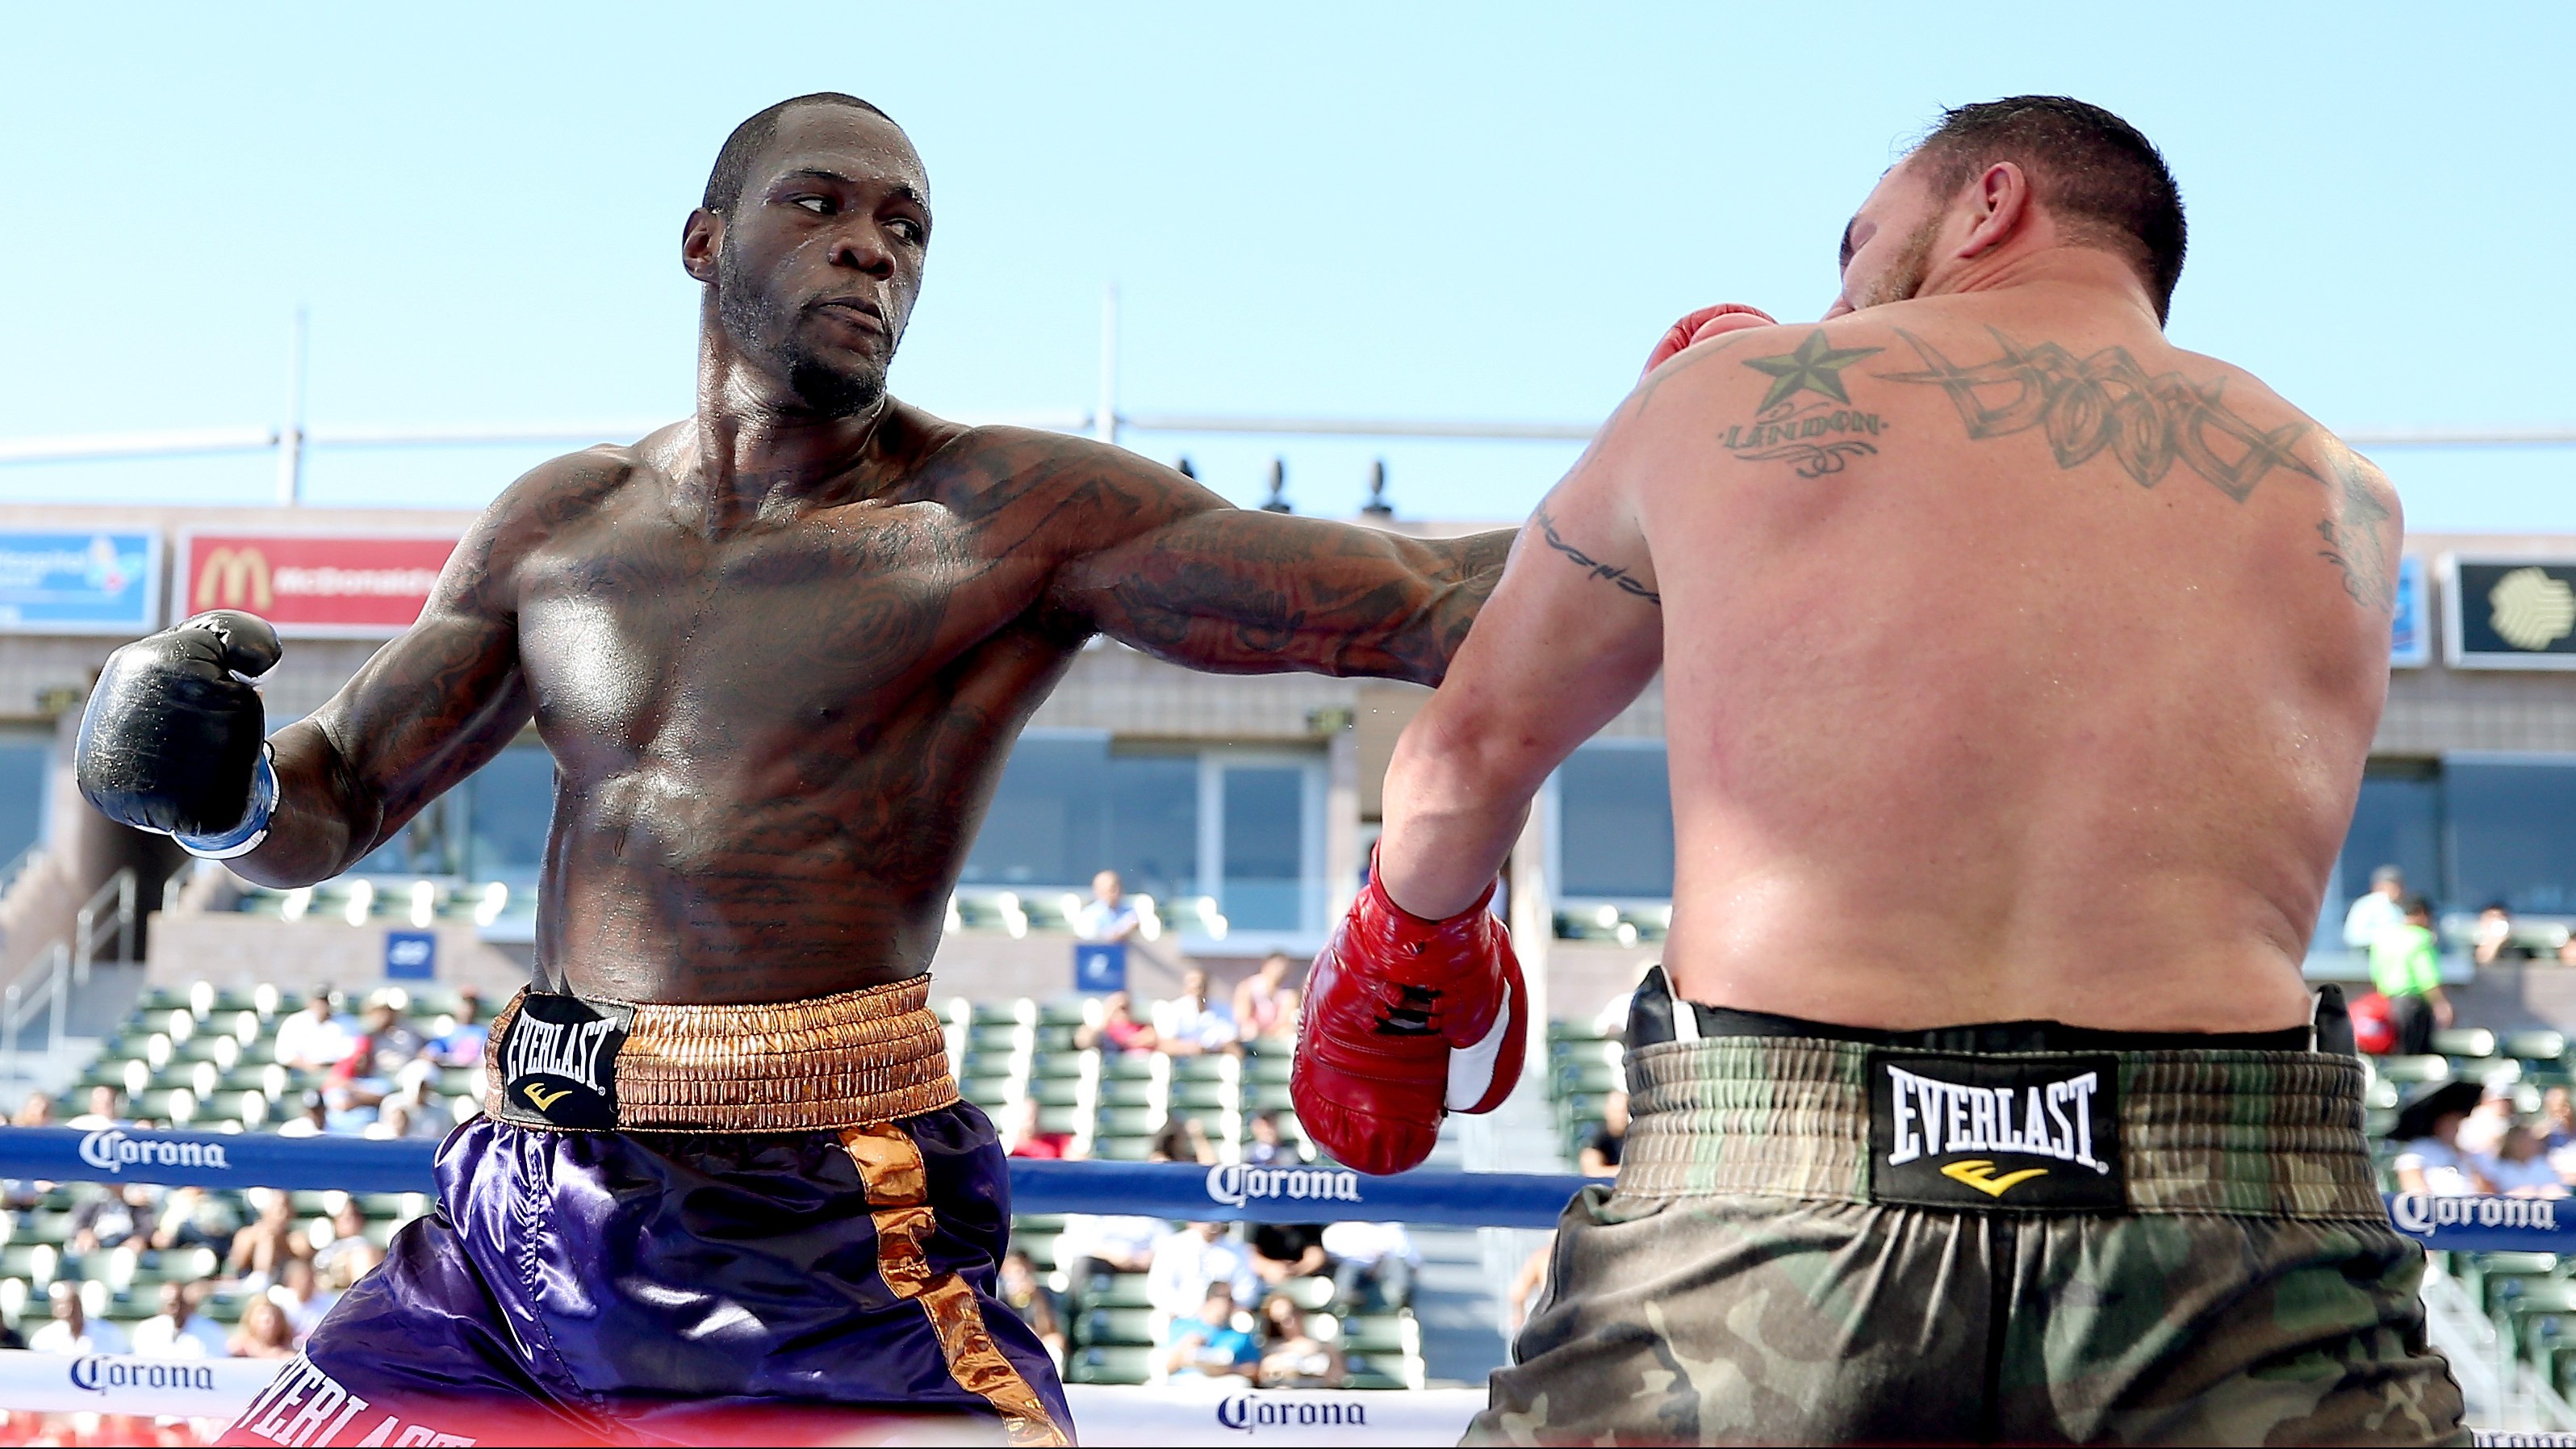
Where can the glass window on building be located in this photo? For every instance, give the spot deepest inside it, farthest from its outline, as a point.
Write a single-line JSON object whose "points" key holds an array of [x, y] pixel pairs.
{"points": [[2398, 821], [1266, 869], [490, 827], [509, 806], [2511, 834], [25, 757], [1069, 807], [1614, 822]]}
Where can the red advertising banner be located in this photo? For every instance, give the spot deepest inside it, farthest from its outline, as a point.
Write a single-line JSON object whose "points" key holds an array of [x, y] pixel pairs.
{"points": [[311, 583]]}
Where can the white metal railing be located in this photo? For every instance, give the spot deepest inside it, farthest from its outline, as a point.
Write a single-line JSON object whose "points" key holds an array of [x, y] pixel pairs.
{"points": [[65, 967]]}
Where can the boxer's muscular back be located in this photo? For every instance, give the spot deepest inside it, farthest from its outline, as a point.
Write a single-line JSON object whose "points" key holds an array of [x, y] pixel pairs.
{"points": [[2017, 664]]}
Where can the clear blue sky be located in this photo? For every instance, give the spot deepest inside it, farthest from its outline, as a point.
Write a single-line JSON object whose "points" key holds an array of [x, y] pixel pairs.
{"points": [[1480, 212]]}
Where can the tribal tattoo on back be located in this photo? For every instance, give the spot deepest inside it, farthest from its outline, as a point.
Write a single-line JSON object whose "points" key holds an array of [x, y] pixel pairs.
{"points": [[2085, 405]]}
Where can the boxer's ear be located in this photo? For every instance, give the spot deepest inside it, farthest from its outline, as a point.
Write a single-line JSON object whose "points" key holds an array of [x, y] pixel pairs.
{"points": [[700, 238], [2000, 205]]}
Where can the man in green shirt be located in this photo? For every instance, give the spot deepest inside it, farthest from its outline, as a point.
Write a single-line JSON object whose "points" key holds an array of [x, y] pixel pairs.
{"points": [[2406, 967]]}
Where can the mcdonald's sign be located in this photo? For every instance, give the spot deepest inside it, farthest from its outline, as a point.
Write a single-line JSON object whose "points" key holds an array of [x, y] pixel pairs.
{"points": [[346, 585]]}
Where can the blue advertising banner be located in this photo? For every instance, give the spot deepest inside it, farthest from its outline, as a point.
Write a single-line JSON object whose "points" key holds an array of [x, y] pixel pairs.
{"points": [[2410, 645], [80, 582], [411, 955], [1100, 966]]}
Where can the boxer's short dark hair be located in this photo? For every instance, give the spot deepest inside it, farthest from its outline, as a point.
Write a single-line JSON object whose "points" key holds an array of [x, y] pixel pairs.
{"points": [[733, 163], [2094, 170]]}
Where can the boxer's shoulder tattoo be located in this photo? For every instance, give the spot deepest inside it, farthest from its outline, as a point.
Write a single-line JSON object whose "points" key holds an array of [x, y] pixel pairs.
{"points": [[2107, 401], [1806, 418], [1625, 581], [2358, 541]]}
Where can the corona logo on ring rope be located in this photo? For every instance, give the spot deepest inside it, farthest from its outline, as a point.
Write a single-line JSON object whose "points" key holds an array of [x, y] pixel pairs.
{"points": [[1233, 1182], [109, 1149]]}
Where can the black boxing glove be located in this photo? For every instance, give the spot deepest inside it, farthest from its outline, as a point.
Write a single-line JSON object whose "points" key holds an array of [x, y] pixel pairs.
{"points": [[174, 739]]}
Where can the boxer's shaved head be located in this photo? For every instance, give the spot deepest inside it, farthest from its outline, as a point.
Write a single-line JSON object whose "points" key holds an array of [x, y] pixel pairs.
{"points": [[2107, 185], [733, 162]]}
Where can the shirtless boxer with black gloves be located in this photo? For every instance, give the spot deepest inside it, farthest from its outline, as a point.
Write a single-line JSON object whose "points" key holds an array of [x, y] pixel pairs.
{"points": [[779, 651], [2018, 671]]}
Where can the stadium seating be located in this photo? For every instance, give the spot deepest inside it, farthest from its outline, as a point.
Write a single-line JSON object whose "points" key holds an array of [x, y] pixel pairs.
{"points": [[206, 1059]]}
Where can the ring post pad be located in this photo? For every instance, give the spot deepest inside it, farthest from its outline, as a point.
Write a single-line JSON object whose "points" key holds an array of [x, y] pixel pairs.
{"points": [[559, 1062], [1996, 1133]]}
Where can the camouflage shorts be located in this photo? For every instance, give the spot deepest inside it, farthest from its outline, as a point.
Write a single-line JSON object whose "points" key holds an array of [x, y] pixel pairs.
{"points": [[2211, 1263]]}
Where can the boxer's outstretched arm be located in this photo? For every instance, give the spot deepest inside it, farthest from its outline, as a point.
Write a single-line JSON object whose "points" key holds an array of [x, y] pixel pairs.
{"points": [[429, 709], [1238, 591], [1571, 635]]}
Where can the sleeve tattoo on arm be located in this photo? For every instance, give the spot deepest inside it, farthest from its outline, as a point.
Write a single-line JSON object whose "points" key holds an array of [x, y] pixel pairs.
{"points": [[1626, 581]]}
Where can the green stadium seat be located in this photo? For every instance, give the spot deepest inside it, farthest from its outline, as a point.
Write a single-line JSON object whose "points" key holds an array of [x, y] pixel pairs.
{"points": [[2472, 1041], [2413, 1070], [1109, 1365], [1115, 1325], [2536, 1046]]}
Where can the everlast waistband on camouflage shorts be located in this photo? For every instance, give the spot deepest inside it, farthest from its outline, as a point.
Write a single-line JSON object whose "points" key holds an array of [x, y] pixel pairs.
{"points": [[848, 1060], [2258, 1133]]}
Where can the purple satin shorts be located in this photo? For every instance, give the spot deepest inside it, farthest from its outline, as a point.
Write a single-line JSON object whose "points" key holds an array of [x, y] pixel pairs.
{"points": [[649, 1288]]}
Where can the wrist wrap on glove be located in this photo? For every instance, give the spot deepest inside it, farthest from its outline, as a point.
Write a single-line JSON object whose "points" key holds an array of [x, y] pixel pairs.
{"points": [[174, 738], [1405, 1021], [1702, 325]]}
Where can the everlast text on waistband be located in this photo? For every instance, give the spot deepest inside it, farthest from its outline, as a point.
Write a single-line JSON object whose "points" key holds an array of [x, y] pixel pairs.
{"points": [[559, 1061], [2034, 1134]]}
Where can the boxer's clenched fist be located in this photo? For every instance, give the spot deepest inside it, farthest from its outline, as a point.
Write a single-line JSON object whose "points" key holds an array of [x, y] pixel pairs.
{"points": [[174, 737], [1704, 324]]}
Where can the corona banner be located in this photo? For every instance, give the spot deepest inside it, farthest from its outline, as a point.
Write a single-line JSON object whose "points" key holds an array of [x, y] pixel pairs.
{"points": [[309, 584]]}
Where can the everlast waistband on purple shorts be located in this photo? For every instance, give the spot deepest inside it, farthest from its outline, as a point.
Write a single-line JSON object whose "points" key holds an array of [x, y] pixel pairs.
{"points": [[847, 1060]]}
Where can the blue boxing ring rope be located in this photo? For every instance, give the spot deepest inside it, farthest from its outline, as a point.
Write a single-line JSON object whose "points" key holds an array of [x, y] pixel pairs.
{"points": [[219, 1389]]}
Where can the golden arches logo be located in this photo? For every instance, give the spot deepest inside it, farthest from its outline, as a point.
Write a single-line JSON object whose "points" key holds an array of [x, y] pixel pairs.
{"points": [[232, 579]]}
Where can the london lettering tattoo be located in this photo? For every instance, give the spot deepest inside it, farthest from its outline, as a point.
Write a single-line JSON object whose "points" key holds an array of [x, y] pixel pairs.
{"points": [[1612, 573], [2106, 401], [1815, 438]]}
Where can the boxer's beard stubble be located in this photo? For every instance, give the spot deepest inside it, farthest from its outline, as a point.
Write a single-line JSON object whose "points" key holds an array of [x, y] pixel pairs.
{"points": [[1904, 277], [752, 318]]}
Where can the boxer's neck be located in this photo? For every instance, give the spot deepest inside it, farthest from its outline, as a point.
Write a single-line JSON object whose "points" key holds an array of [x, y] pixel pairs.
{"points": [[754, 453], [2055, 265]]}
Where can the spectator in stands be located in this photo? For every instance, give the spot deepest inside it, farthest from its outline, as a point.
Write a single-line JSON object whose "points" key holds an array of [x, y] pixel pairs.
{"points": [[1292, 1358], [2427, 1132], [1520, 1300], [461, 1045], [2492, 940], [36, 1111], [1118, 1031], [1023, 1137], [425, 1118], [348, 1236], [1269, 1147], [1187, 1261], [178, 1331], [261, 1251], [1264, 1008], [111, 1218], [1093, 1246], [2406, 967], [1366, 1255], [1182, 1139], [299, 1292], [265, 1332], [2557, 1119], [1109, 915], [1206, 1344], [71, 1332], [312, 1118], [191, 1217], [2377, 909], [1198, 1024], [1036, 1303], [392, 1124], [2517, 1169], [344, 1272], [312, 1038], [1281, 1251], [1600, 1156], [2484, 1131], [103, 1103]]}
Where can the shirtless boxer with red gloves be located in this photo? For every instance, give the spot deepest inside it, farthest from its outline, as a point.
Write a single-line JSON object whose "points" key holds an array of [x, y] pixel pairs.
{"points": [[2019, 667]]}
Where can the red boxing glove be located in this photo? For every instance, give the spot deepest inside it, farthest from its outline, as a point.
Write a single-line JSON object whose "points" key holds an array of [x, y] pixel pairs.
{"points": [[1704, 324], [1405, 1021]]}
